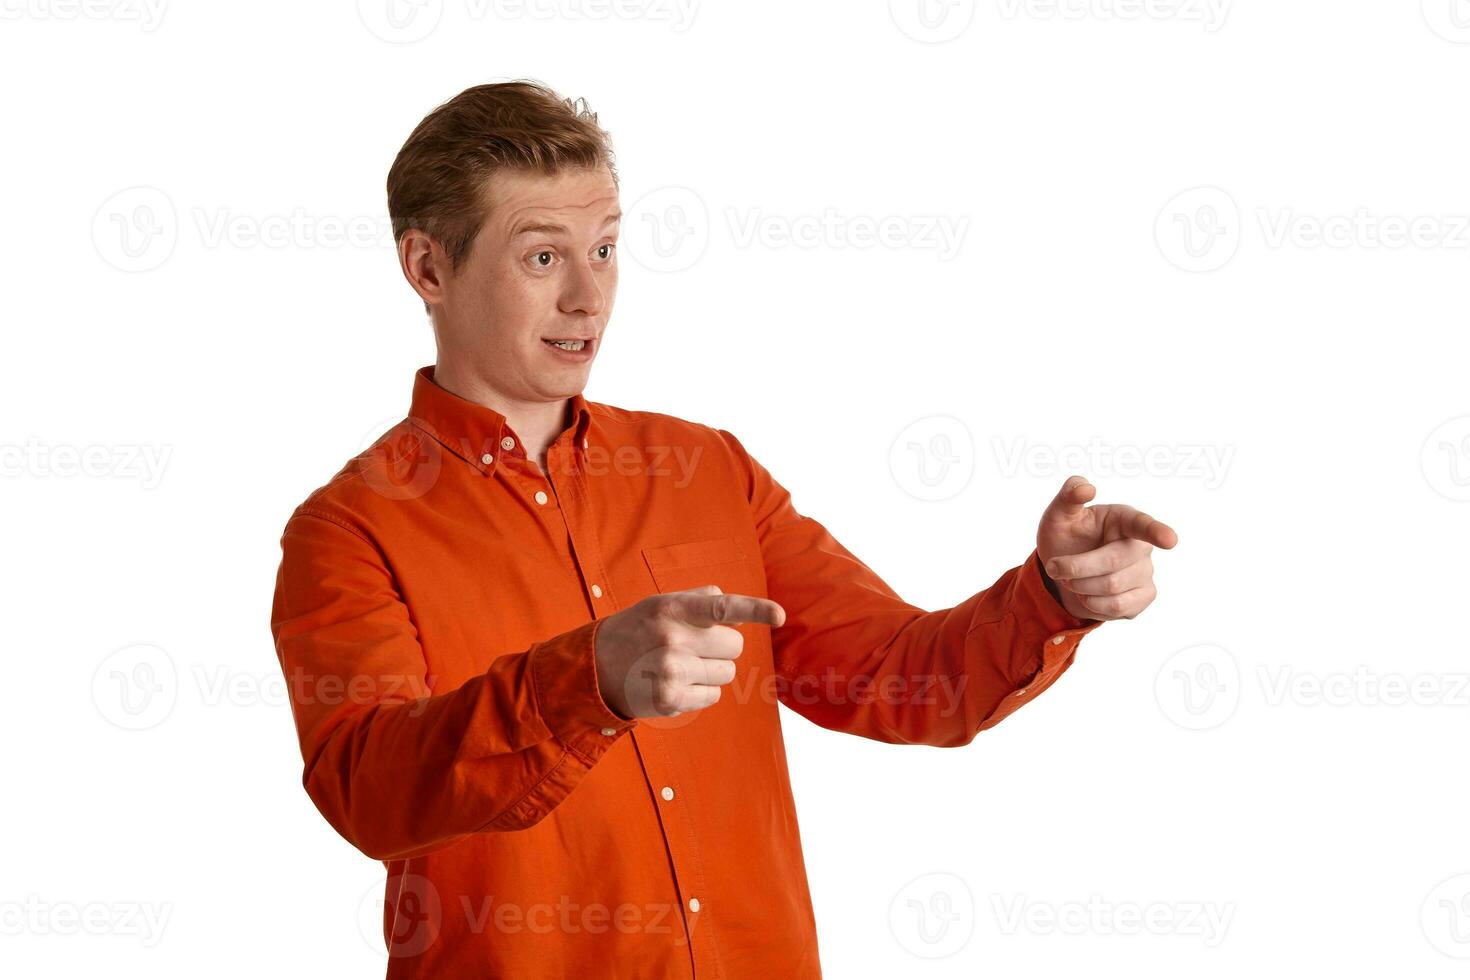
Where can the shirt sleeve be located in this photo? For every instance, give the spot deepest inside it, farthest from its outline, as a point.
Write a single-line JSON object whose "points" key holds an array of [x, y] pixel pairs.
{"points": [[855, 657], [398, 771]]}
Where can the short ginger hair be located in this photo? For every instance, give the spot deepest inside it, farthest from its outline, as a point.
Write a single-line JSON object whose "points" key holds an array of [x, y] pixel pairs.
{"points": [[439, 179]]}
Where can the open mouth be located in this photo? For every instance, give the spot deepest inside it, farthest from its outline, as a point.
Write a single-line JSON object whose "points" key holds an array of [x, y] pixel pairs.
{"points": [[567, 344]]}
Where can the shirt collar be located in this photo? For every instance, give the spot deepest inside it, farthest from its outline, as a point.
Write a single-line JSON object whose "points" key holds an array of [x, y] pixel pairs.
{"points": [[474, 432]]}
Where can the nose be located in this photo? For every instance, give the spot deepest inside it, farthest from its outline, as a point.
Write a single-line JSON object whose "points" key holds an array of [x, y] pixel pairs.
{"points": [[582, 293]]}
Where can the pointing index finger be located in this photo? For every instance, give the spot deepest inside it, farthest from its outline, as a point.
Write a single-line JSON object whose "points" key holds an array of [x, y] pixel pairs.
{"points": [[700, 608], [1146, 528]]}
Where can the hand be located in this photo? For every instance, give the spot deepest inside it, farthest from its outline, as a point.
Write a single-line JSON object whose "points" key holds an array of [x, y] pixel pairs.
{"points": [[671, 652], [1098, 557]]}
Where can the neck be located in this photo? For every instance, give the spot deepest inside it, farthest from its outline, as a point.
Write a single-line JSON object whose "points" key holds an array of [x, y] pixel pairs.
{"points": [[536, 424]]}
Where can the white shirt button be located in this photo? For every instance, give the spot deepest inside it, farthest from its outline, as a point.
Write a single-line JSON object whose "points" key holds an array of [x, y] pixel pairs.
{"points": [[609, 731], [694, 905], [540, 496], [507, 443], [597, 592], [667, 792], [1056, 641], [487, 459]]}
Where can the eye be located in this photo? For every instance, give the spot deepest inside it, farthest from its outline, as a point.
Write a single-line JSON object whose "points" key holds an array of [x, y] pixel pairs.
{"points": [[605, 251], [539, 256]]}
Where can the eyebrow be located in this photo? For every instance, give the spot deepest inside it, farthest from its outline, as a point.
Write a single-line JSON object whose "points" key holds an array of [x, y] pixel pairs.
{"points": [[553, 229]]}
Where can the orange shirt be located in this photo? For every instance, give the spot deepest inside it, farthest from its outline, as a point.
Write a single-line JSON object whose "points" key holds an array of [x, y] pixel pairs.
{"points": [[435, 613]]}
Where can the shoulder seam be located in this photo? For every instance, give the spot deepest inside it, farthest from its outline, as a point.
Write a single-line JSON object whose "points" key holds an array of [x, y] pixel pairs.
{"points": [[304, 511]]}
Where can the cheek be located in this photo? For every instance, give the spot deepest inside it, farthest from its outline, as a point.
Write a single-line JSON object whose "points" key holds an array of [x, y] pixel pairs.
{"points": [[509, 304]]}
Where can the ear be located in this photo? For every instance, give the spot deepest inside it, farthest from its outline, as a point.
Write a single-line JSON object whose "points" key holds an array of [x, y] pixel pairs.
{"points": [[425, 265]]}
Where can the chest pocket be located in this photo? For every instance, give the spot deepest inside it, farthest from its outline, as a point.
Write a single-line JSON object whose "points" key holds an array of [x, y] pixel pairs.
{"points": [[725, 562]]}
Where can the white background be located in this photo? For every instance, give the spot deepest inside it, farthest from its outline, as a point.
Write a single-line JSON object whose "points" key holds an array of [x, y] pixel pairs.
{"points": [[1228, 238]]}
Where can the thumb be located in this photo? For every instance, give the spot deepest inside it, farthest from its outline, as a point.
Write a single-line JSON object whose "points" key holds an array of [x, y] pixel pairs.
{"points": [[1070, 500]]}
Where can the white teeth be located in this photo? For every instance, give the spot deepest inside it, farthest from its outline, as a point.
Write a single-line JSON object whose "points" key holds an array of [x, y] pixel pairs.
{"points": [[568, 344]]}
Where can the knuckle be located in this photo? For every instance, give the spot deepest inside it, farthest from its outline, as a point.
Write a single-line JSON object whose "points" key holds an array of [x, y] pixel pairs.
{"points": [[665, 701], [671, 672]]}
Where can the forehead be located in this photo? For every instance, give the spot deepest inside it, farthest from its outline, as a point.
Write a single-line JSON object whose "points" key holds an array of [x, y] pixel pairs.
{"points": [[578, 196]]}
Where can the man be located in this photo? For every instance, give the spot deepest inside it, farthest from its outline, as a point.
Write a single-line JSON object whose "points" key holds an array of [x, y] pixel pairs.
{"points": [[536, 644]]}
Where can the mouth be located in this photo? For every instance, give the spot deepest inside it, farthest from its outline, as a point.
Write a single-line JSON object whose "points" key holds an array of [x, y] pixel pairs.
{"points": [[570, 344]]}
